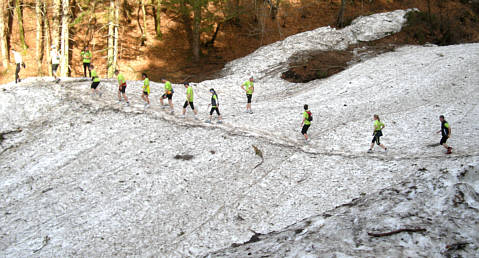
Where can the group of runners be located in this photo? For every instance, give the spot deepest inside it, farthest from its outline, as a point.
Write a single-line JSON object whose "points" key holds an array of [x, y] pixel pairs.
{"points": [[247, 87]]}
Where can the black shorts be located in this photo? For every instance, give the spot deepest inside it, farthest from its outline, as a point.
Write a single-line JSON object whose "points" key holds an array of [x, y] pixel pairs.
{"points": [[86, 65], [167, 96], [145, 93], [54, 68], [376, 137], [191, 105], [305, 129], [249, 96], [122, 88], [213, 109], [94, 85], [443, 140]]}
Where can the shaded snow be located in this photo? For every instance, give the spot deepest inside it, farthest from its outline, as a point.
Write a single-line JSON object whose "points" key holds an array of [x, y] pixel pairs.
{"points": [[99, 178]]}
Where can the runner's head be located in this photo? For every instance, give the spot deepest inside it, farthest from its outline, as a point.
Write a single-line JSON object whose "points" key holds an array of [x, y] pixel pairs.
{"points": [[376, 117], [53, 47], [163, 80], [306, 107], [117, 72], [441, 118], [212, 91], [186, 84], [92, 66], [251, 79], [144, 76], [86, 48]]}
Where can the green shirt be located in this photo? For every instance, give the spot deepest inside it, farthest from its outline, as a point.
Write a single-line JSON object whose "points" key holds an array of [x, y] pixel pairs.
{"points": [[189, 91], [94, 74], [249, 85], [86, 56], [146, 85], [306, 116], [168, 88], [378, 125], [121, 79]]}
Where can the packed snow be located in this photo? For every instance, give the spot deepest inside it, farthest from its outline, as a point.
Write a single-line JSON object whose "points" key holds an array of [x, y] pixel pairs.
{"points": [[87, 176]]}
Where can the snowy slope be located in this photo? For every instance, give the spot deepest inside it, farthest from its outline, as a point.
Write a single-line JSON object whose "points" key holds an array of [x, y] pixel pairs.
{"points": [[89, 177]]}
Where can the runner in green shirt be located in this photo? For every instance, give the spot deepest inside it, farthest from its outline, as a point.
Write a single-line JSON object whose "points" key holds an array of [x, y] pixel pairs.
{"points": [[248, 87], [96, 81], [168, 94], [189, 99], [146, 89], [377, 133], [306, 123], [121, 87], [86, 56]]}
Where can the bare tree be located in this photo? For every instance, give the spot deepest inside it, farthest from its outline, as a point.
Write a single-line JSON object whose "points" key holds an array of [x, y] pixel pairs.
{"points": [[340, 19], [110, 50], [65, 39], [159, 35], [3, 35], [116, 36], [46, 32], [21, 32], [196, 29], [56, 23], [39, 41]]}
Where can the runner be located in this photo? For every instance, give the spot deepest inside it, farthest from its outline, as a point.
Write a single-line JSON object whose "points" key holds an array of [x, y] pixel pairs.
{"points": [[19, 63], [86, 56], [55, 62], [121, 87], [214, 106], [248, 87], [377, 133], [146, 89], [189, 99], [168, 94], [96, 81], [307, 118], [446, 133]]}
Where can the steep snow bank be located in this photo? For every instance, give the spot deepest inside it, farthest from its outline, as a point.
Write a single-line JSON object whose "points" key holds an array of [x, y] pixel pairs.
{"points": [[444, 203], [88, 176]]}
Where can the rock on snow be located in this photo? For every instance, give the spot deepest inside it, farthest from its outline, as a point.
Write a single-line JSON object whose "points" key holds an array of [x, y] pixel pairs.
{"points": [[89, 177]]}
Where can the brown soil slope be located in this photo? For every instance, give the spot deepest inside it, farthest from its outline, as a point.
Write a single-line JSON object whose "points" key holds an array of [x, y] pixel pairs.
{"points": [[450, 22]]}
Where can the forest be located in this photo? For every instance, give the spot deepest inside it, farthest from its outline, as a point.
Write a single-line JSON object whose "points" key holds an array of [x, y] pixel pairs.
{"points": [[193, 39]]}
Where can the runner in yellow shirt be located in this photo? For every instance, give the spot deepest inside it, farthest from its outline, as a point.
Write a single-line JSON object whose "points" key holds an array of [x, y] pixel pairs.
{"points": [[377, 133], [121, 87], [189, 99], [248, 87], [86, 56], [96, 81], [146, 89]]}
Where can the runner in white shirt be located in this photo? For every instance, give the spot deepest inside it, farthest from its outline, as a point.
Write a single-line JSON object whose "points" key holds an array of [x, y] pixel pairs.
{"points": [[19, 63], [55, 61]]}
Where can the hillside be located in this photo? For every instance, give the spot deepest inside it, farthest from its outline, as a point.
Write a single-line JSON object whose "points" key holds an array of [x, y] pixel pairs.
{"points": [[449, 22], [87, 176]]}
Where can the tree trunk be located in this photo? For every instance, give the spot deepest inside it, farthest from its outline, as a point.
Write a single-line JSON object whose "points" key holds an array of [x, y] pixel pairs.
{"points": [[89, 34], [159, 35], [11, 14], [3, 35], [21, 32], [56, 23], [65, 39], [46, 32], [143, 35], [340, 19], [116, 37], [196, 29], [110, 52], [39, 41]]}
